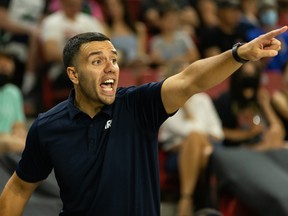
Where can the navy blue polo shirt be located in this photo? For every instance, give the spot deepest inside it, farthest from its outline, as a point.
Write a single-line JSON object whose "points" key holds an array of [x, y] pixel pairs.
{"points": [[104, 166]]}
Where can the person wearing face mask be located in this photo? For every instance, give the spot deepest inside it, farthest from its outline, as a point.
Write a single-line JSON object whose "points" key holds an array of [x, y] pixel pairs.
{"points": [[254, 148], [12, 117], [247, 116], [268, 18]]}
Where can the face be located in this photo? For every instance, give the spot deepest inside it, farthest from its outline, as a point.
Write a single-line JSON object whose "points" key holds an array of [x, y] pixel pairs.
{"points": [[114, 8], [71, 7], [96, 73], [230, 16], [170, 21]]}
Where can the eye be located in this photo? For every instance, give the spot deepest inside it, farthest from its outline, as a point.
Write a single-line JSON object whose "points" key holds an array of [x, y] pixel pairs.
{"points": [[96, 62], [114, 61]]}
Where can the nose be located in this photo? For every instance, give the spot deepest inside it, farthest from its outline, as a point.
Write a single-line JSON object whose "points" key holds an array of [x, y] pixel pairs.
{"points": [[109, 67]]}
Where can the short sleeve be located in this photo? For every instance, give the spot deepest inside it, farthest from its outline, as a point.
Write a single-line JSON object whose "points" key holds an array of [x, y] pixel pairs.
{"points": [[34, 165]]}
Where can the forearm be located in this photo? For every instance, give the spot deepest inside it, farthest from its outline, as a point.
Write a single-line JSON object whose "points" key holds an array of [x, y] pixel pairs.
{"points": [[237, 135], [206, 73], [12, 199], [8, 208], [11, 143], [273, 120]]}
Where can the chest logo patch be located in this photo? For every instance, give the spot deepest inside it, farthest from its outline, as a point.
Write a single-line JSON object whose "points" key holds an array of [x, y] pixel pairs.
{"points": [[108, 124]]}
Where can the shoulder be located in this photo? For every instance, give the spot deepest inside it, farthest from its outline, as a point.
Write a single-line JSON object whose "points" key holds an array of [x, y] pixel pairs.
{"points": [[87, 17], [55, 113], [147, 88], [54, 17], [12, 90]]}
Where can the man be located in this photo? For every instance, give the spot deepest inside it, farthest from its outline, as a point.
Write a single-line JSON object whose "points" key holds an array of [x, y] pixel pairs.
{"points": [[102, 142]]}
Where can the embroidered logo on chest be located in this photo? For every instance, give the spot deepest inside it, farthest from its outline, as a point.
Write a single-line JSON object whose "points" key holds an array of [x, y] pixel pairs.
{"points": [[108, 124]]}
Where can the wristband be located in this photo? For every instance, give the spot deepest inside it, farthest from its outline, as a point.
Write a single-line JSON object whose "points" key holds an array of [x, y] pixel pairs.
{"points": [[235, 53]]}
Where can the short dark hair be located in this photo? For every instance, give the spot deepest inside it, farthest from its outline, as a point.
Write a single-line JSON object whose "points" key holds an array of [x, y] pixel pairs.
{"points": [[73, 45]]}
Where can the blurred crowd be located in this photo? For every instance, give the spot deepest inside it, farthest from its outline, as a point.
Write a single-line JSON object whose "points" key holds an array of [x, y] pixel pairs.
{"points": [[150, 35], [155, 37]]}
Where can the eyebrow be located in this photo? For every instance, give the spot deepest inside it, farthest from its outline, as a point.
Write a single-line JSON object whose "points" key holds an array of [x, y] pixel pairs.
{"points": [[100, 53]]}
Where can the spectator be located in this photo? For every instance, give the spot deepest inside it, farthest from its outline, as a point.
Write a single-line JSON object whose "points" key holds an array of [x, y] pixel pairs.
{"points": [[189, 137], [247, 116], [128, 36], [13, 122], [92, 7], [150, 14], [268, 18], [250, 13], [207, 10], [229, 30], [19, 24], [171, 45], [13, 131], [56, 29]]}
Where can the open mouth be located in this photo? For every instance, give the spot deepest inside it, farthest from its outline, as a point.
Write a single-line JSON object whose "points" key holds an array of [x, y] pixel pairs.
{"points": [[107, 85]]}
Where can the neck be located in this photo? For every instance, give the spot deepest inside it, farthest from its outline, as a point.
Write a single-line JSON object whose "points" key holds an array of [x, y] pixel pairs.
{"points": [[89, 107]]}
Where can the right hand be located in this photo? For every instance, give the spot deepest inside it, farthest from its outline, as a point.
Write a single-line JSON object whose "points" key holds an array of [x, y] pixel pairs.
{"points": [[266, 45]]}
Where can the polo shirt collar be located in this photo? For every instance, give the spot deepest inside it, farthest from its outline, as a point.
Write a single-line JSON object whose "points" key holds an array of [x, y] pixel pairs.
{"points": [[73, 110]]}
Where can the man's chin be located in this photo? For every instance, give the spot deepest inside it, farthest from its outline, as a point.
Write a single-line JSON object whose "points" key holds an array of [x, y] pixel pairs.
{"points": [[108, 100]]}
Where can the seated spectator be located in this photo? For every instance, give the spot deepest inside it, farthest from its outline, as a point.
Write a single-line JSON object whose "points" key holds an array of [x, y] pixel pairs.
{"points": [[13, 131], [229, 30], [268, 18], [207, 10], [92, 7], [250, 13], [150, 13], [19, 25], [171, 45], [247, 116], [57, 28], [189, 137], [13, 122], [128, 36], [280, 100], [254, 140]]}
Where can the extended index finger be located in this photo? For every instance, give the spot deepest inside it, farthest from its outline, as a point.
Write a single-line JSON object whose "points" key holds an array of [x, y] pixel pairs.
{"points": [[274, 33]]}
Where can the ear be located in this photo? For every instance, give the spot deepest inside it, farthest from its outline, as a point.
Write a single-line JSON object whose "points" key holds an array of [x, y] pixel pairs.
{"points": [[72, 74]]}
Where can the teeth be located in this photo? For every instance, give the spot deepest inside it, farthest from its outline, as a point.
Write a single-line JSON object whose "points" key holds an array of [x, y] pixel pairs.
{"points": [[111, 81]]}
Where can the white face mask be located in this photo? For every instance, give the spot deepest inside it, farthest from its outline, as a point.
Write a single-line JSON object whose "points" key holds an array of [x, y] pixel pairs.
{"points": [[269, 17]]}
